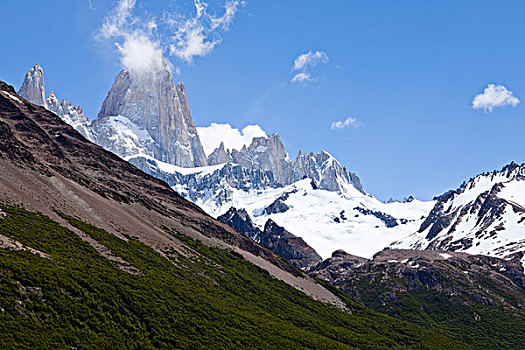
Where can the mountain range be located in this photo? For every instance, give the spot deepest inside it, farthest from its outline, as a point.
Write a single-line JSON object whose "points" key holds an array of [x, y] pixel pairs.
{"points": [[145, 119], [97, 254], [108, 199]]}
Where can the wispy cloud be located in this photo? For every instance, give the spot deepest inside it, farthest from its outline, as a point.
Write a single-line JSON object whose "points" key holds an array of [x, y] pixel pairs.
{"points": [[300, 77], [343, 124], [197, 36], [212, 136], [304, 63], [143, 40], [494, 96]]}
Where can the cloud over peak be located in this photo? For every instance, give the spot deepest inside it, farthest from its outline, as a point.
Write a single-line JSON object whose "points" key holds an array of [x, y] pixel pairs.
{"points": [[304, 63], [143, 41], [494, 96]]}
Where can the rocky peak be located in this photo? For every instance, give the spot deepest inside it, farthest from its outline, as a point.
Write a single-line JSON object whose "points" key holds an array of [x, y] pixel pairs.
{"points": [[326, 172], [152, 102], [219, 156], [74, 116], [289, 246], [32, 88]]}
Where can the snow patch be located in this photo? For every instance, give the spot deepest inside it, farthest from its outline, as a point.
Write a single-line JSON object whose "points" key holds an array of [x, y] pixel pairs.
{"points": [[11, 96]]}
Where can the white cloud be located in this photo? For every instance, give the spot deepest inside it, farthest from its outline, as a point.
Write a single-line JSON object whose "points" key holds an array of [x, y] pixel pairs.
{"points": [[300, 77], [304, 63], [142, 41], [494, 96], [309, 59], [198, 36], [140, 54], [233, 138], [343, 124], [139, 51]]}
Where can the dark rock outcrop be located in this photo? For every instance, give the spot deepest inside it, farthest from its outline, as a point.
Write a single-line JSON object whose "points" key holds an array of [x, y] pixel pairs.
{"points": [[274, 237], [388, 220]]}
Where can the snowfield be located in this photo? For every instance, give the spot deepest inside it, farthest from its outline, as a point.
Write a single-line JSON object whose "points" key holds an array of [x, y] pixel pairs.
{"points": [[328, 220]]}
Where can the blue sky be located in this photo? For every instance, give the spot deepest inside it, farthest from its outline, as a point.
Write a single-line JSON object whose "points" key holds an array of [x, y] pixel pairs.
{"points": [[406, 71]]}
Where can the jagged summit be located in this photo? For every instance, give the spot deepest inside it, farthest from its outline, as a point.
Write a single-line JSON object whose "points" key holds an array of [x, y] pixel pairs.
{"points": [[72, 115], [268, 153], [274, 237], [485, 215], [32, 88], [220, 156], [158, 110]]}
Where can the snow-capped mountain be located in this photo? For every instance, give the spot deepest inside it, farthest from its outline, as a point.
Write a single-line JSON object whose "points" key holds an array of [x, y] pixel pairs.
{"points": [[274, 237], [269, 154], [327, 220], [146, 113], [264, 164], [485, 215], [33, 90]]}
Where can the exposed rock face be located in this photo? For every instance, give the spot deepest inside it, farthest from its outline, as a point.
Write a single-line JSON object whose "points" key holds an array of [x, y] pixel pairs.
{"points": [[289, 246], [326, 171], [331, 268], [241, 221], [277, 206], [152, 103], [266, 153], [275, 237], [32, 88], [486, 215], [388, 220]]}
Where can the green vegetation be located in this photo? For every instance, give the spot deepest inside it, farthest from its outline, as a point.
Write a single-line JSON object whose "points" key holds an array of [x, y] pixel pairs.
{"points": [[216, 300], [484, 326]]}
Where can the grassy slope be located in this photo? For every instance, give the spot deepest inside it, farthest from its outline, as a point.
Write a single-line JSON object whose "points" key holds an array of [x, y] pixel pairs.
{"points": [[218, 300]]}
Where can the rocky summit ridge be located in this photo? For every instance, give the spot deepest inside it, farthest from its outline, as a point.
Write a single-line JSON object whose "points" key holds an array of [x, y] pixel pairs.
{"points": [[33, 90]]}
